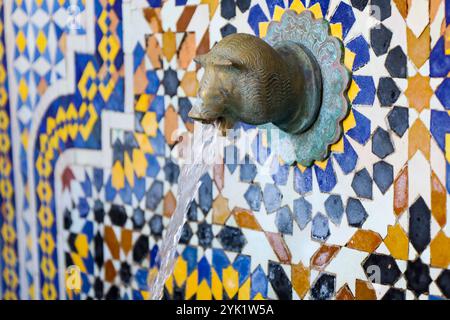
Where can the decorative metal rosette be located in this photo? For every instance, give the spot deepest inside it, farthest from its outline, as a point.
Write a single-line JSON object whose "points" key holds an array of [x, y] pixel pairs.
{"points": [[313, 34]]}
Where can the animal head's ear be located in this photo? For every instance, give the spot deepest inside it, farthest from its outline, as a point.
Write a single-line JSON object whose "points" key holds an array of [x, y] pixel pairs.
{"points": [[218, 61], [201, 59]]}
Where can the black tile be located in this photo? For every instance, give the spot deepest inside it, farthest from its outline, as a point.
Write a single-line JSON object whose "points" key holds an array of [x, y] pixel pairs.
{"points": [[113, 293], [192, 212], [140, 249], [443, 282], [243, 5], [125, 273], [228, 9], [67, 219], [382, 269], [324, 287], [279, 281], [118, 215], [417, 277], [98, 288], [98, 250], [99, 211], [170, 82], [380, 9], [227, 30], [205, 235], [383, 175], [362, 184], [387, 91], [356, 214], [359, 4], [419, 225], [380, 39], [186, 234], [394, 294], [232, 239], [398, 119], [396, 63], [381, 143]]}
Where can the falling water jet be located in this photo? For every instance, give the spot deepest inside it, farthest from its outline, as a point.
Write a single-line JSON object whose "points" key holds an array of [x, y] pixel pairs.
{"points": [[203, 154]]}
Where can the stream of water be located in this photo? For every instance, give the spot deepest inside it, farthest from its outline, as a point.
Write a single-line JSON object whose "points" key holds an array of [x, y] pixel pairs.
{"points": [[201, 156]]}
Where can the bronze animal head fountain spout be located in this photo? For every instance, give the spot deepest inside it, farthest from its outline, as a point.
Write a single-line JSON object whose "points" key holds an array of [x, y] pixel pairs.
{"points": [[289, 80], [247, 80]]}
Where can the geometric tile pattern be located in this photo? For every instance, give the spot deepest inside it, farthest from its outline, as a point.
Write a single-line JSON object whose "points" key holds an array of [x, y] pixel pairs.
{"points": [[95, 185]]}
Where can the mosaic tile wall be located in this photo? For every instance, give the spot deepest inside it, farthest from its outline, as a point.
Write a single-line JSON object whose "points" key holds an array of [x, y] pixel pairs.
{"points": [[91, 93]]}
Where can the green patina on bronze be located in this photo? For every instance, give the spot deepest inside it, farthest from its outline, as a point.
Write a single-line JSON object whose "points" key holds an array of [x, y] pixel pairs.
{"points": [[294, 80]]}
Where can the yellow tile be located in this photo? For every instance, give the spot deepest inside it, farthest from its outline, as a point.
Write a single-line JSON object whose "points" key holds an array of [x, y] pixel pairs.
{"points": [[316, 10], [349, 122], [230, 278], [139, 163], [440, 251], [278, 13], [82, 245], [353, 91], [180, 271], [169, 285], [397, 242], [216, 286], [118, 176], [297, 6], [349, 58], [149, 124], [192, 285], [336, 30], [204, 292], [338, 146], [263, 26], [244, 290], [128, 168], [447, 147], [258, 296]]}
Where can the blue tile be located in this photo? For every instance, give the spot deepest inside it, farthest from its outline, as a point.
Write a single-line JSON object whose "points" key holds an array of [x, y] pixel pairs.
{"points": [[153, 82], [154, 195], [171, 171], [439, 61], [366, 94], [356, 214], [272, 197], [190, 256], [443, 93], [347, 159], [272, 3], [138, 56], [326, 178], [259, 283], [153, 166], [231, 156], [98, 178], [253, 197], [360, 47], [302, 180], [362, 184], [381, 143], [302, 212], [204, 271], [281, 175], [205, 194], [439, 126], [383, 175], [242, 265], [398, 119], [344, 14], [256, 15], [248, 171], [361, 132], [320, 228], [283, 220], [219, 261], [324, 4], [334, 208]]}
